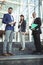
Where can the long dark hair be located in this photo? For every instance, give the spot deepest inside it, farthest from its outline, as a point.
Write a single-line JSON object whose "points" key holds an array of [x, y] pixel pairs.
{"points": [[22, 16]]}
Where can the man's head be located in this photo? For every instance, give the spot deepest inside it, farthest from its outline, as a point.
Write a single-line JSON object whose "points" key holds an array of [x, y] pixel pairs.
{"points": [[34, 14], [10, 9], [21, 17]]}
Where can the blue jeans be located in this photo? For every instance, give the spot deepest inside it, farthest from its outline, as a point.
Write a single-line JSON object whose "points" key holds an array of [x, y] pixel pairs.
{"points": [[8, 36]]}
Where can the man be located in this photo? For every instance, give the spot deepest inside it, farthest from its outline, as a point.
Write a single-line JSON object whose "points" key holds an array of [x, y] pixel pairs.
{"points": [[22, 26], [8, 19], [36, 33]]}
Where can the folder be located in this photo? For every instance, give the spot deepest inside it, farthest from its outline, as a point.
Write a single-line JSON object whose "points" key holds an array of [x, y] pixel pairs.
{"points": [[33, 26]]}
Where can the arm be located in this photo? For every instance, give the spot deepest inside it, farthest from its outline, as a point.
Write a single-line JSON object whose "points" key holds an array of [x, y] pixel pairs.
{"points": [[25, 24], [4, 19], [19, 24], [38, 21], [12, 23]]}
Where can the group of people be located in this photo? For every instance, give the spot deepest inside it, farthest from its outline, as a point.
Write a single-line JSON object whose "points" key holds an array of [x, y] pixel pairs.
{"points": [[8, 19]]}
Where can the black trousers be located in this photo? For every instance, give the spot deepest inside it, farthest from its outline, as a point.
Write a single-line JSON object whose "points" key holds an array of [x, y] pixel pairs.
{"points": [[37, 42]]}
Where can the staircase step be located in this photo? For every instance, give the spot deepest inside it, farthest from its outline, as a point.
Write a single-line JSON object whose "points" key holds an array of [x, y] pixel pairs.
{"points": [[22, 60]]}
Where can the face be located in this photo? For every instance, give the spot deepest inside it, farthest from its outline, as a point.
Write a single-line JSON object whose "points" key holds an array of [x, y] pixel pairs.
{"points": [[34, 15], [10, 11], [21, 18]]}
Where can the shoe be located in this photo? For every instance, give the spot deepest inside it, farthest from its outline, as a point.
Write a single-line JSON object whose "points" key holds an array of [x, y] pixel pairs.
{"points": [[20, 48], [37, 52], [5, 54], [10, 54], [23, 49]]}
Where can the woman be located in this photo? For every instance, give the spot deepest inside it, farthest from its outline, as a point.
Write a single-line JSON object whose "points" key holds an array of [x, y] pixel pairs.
{"points": [[22, 29]]}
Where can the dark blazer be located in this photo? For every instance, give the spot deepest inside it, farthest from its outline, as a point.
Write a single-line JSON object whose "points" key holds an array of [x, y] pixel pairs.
{"points": [[23, 26], [6, 20], [38, 28]]}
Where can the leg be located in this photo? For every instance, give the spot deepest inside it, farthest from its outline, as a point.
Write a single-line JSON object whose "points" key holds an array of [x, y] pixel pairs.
{"points": [[37, 42], [10, 42], [7, 34], [20, 40], [23, 41]]}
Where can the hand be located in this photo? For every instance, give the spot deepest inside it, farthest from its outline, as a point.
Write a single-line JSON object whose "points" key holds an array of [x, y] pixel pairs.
{"points": [[12, 23], [23, 33], [19, 23], [33, 29]]}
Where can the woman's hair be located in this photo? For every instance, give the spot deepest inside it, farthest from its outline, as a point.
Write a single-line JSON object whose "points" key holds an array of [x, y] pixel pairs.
{"points": [[21, 15]]}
